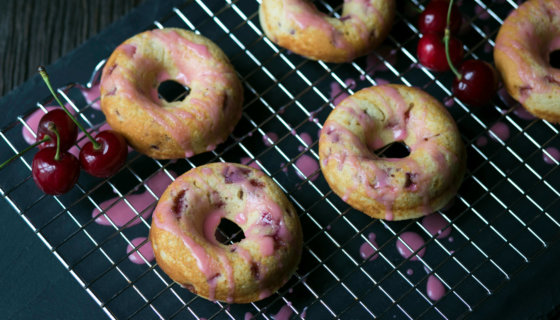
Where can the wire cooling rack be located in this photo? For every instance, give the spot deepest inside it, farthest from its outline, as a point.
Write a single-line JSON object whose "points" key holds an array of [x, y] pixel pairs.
{"points": [[502, 217]]}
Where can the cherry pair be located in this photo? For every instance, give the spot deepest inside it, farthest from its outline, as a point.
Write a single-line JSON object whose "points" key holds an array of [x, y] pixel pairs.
{"points": [[476, 81], [54, 170]]}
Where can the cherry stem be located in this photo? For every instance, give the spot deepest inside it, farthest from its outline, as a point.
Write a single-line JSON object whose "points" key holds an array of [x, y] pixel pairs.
{"points": [[52, 127], [46, 138], [446, 37], [45, 76]]}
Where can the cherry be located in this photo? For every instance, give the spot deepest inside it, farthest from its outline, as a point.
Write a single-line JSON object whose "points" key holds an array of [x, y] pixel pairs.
{"points": [[431, 52], [477, 84], [103, 156], [476, 81], [434, 18], [55, 172], [67, 129], [107, 158]]}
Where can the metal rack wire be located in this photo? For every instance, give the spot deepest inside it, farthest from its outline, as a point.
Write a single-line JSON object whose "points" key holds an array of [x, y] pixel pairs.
{"points": [[501, 217]]}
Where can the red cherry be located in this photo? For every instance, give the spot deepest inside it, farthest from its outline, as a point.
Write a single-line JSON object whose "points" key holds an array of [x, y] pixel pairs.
{"points": [[431, 52], [478, 83], [55, 176], [64, 125], [106, 160], [434, 18]]}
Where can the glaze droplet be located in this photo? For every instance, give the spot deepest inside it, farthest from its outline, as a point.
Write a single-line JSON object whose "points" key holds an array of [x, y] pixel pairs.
{"points": [[434, 288], [414, 241]]}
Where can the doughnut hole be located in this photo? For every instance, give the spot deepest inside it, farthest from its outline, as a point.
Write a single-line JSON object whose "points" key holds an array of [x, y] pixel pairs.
{"points": [[228, 232], [395, 149], [554, 59], [328, 7], [171, 91]]}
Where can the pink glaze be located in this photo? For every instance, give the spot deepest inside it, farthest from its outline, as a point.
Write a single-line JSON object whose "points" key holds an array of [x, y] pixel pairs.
{"points": [[448, 102], [436, 225], [306, 138], [264, 294], [308, 166], [380, 81], [414, 241], [248, 316], [553, 156], [145, 250], [409, 272], [128, 49], [91, 95], [374, 64], [366, 249], [481, 13], [450, 239], [522, 113], [121, 213], [399, 118], [33, 122], [254, 164], [284, 313], [500, 130], [481, 141], [434, 288], [337, 94], [211, 223], [270, 138]]}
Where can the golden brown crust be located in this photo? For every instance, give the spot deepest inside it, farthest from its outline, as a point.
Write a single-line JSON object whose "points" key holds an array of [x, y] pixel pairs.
{"points": [[205, 190], [521, 55], [298, 26], [392, 189], [167, 130]]}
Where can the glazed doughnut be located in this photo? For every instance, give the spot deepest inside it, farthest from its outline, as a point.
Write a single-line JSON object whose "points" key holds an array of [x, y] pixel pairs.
{"points": [[522, 51], [168, 130], [392, 188], [300, 27], [190, 210]]}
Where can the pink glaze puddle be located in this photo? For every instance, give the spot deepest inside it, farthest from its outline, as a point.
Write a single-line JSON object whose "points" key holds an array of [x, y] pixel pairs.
{"points": [[145, 250], [481, 141], [481, 13], [366, 249], [307, 139], [91, 94], [248, 316], [409, 272], [121, 213], [308, 167], [381, 81], [33, 122], [254, 164], [553, 156], [450, 239], [448, 102], [373, 63], [414, 241], [522, 113], [284, 313], [337, 95], [270, 138], [435, 225], [500, 130], [434, 288]]}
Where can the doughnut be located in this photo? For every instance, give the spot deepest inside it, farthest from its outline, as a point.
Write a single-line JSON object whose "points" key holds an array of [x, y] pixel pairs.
{"points": [[170, 130], [522, 55], [392, 188], [185, 221], [299, 26]]}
